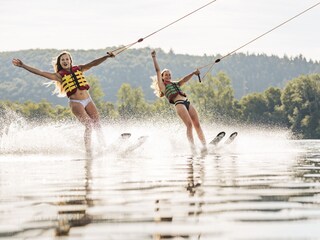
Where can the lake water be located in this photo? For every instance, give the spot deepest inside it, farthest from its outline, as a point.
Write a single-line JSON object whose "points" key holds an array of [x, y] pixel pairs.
{"points": [[262, 186]]}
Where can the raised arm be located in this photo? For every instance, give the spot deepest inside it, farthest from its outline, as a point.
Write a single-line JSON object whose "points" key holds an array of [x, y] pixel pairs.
{"points": [[96, 62], [49, 75], [188, 77], [157, 68]]}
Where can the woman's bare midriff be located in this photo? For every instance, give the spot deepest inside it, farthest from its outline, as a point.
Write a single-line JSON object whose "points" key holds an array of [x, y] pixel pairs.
{"points": [[80, 95], [179, 97]]}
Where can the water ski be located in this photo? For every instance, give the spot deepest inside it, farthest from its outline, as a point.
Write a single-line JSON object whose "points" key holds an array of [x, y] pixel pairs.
{"points": [[136, 144], [218, 138], [125, 135], [231, 137]]}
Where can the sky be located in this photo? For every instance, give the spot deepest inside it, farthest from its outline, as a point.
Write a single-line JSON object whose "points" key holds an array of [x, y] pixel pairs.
{"points": [[219, 28]]}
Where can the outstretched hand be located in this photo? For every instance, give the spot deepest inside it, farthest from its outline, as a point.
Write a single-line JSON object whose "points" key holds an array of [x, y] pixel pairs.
{"points": [[17, 62], [153, 53]]}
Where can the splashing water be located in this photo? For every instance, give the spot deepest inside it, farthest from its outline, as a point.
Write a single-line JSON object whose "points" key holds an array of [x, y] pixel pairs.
{"points": [[263, 181], [20, 137]]}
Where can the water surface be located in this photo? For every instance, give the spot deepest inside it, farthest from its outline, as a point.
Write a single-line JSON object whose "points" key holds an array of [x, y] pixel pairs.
{"points": [[262, 186]]}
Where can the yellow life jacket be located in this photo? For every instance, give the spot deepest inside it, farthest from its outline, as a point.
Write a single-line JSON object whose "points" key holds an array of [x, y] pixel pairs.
{"points": [[73, 80]]}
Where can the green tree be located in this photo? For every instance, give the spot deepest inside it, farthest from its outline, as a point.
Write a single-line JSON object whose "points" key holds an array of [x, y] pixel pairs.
{"points": [[38, 111], [214, 97], [62, 113], [253, 108], [131, 103], [163, 109], [301, 102], [263, 108], [108, 111], [95, 90], [274, 113]]}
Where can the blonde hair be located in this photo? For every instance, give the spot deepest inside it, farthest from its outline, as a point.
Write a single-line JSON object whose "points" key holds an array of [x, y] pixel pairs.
{"points": [[58, 90], [155, 86]]}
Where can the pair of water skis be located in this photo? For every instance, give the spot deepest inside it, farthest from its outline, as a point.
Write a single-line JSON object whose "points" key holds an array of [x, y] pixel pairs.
{"points": [[221, 135], [136, 144], [142, 139], [123, 146]]}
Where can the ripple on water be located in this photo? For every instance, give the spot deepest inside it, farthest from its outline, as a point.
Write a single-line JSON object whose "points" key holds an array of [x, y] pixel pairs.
{"points": [[269, 185]]}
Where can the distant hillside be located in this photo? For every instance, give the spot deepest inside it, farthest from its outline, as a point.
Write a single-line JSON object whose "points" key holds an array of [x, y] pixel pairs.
{"points": [[249, 73]]}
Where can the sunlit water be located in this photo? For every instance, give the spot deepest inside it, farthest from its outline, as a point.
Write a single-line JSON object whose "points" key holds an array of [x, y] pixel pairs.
{"points": [[262, 186]]}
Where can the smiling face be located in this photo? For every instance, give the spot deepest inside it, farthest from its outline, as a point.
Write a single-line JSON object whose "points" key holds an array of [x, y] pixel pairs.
{"points": [[65, 61], [166, 75]]}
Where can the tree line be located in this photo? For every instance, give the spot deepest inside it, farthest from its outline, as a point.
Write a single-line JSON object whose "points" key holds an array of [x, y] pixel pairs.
{"points": [[249, 73], [295, 106]]}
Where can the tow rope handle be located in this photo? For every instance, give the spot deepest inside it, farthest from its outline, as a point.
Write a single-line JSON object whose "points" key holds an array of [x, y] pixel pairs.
{"points": [[199, 78]]}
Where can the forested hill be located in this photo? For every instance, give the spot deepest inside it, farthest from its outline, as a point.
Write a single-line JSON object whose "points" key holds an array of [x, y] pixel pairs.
{"points": [[248, 73]]}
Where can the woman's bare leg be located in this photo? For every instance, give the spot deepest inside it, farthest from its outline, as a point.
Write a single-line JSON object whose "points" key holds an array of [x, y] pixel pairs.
{"points": [[93, 113], [185, 117], [80, 113], [196, 124]]}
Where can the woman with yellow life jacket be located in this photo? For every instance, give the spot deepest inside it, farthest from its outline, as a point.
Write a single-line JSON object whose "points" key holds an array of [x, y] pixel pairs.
{"points": [[163, 86], [70, 82]]}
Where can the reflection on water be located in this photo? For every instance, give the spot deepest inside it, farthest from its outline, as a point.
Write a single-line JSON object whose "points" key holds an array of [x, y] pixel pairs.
{"points": [[262, 186]]}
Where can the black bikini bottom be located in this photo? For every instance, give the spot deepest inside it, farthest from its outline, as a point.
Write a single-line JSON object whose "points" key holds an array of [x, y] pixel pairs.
{"points": [[184, 102]]}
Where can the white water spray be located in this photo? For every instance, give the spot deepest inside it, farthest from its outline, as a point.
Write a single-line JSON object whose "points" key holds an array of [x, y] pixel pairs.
{"points": [[164, 138]]}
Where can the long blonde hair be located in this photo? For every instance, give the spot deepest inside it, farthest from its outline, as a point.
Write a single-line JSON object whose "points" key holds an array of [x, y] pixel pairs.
{"points": [[57, 67], [155, 86]]}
